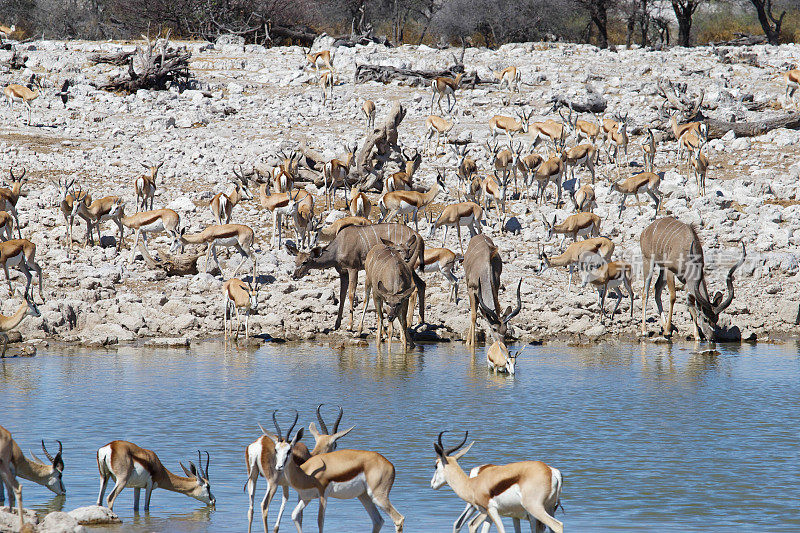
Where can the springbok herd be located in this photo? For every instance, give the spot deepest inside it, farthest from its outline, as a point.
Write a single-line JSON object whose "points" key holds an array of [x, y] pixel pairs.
{"points": [[521, 165], [525, 490]]}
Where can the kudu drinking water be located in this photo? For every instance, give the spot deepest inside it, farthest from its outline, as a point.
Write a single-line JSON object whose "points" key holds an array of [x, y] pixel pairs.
{"points": [[672, 250], [482, 268], [390, 277], [347, 253]]}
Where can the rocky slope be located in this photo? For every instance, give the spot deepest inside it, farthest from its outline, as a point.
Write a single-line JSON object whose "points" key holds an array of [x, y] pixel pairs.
{"points": [[252, 101]]}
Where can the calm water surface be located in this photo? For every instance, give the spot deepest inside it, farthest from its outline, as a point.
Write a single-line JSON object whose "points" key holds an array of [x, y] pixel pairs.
{"points": [[649, 438]]}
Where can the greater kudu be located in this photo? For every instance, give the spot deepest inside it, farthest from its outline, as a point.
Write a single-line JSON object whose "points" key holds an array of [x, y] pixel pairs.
{"points": [[347, 253], [672, 249], [482, 268]]}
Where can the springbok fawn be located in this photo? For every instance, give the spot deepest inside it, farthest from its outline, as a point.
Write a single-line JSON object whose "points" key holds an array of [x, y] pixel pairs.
{"points": [[499, 359]]}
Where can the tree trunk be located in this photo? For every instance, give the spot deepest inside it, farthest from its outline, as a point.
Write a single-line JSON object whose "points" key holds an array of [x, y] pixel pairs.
{"points": [[684, 12], [770, 25], [599, 16]]}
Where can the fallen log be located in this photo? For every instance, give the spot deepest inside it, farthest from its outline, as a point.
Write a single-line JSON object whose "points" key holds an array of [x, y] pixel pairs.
{"points": [[718, 128], [383, 142], [386, 73], [112, 58], [159, 66], [593, 103], [177, 265]]}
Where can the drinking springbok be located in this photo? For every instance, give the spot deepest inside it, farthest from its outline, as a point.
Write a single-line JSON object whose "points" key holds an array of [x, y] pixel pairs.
{"points": [[138, 468], [7, 323], [499, 359], [580, 224], [341, 474], [13, 464], [482, 268], [673, 250], [260, 460], [528, 490], [347, 253]]}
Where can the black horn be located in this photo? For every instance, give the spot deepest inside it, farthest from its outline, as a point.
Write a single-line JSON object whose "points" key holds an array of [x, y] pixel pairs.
{"points": [[449, 451], [277, 427], [322, 425], [289, 433], [338, 419], [46, 453], [516, 311], [490, 315]]}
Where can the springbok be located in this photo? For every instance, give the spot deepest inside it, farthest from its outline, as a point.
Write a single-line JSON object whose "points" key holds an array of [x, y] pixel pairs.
{"points": [[138, 468], [145, 187], [238, 295], [696, 128], [467, 214], [97, 212], [326, 83], [222, 204], [444, 261], [435, 125], [6, 32], [347, 253], [13, 464], [576, 253], [527, 165], [699, 165], [482, 269], [334, 172], [645, 182], [389, 277], [501, 124], [21, 253], [649, 150], [672, 249], [343, 474], [66, 204], [403, 180], [328, 233], [368, 109], [239, 236], [10, 195], [467, 168], [26, 95], [145, 222], [280, 205], [285, 173], [301, 209], [551, 171], [445, 86], [510, 77], [618, 138], [792, 79], [583, 154], [579, 224], [323, 56], [528, 490], [397, 203], [583, 199], [7, 323], [360, 205], [499, 359], [608, 276], [6, 226], [260, 460]]}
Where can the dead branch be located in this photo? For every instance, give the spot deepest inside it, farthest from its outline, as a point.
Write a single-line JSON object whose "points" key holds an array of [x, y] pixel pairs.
{"points": [[386, 73], [377, 148], [116, 58], [159, 66]]}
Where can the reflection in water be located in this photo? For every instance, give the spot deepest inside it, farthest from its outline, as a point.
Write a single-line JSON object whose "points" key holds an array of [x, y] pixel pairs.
{"points": [[648, 436]]}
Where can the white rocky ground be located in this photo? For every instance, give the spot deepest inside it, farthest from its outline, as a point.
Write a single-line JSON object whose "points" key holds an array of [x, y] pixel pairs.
{"points": [[261, 101]]}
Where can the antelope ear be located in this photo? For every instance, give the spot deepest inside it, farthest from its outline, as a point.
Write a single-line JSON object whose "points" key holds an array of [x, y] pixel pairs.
{"points": [[292, 249], [316, 252], [717, 299], [459, 454], [186, 470], [313, 429], [508, 311], [339, 434]]}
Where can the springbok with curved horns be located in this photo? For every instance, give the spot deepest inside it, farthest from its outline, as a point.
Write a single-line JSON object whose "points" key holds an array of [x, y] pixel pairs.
{"points": [[260, 460], [13, 464], [146, 187], [138, 468], [672, 249], [528, 490], [341, 474], [10, 195], [26, 95]]}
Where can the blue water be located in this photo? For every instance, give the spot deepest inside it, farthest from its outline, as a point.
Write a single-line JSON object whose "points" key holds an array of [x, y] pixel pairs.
{"points": [[648, 437]]}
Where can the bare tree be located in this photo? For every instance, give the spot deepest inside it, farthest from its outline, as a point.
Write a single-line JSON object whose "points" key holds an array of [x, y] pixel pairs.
{"points": [[598, 13], [684, 11], [770, 24]]}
